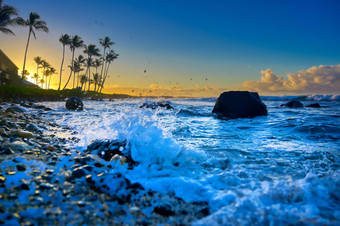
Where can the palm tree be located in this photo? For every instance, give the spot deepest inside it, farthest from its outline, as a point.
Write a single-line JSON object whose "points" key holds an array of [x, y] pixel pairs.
{"points": [[38, 60], [97, 63], [96, 77], [90, 50], [36, 77], [106, 43], [65, 40], [111, 56], [26, 73], [83, 80], [42, 81], [78, 62], [52, 71], [76, 42], [6, 18], [45, 65], [34, 23]]}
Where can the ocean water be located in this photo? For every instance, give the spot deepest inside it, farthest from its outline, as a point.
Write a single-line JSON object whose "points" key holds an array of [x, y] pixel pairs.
{"points": [[283, 168]]}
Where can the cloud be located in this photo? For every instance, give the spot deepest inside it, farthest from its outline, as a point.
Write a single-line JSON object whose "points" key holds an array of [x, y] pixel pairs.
{"points": [[322, 79]]}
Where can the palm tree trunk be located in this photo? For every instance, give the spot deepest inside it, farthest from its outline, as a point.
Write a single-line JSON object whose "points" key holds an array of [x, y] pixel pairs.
{"points": [[49, 82], [77, 79], [101, 73], [71, 71], [88, 89], [107, 71], [61, 67], [28, 41]]}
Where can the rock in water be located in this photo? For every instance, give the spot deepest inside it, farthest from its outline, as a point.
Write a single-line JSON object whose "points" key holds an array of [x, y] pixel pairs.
{"points": [[293, 104], [315, 105], [74, 103], [154, 105], [240, 104], [111, 150], [15, 109]]}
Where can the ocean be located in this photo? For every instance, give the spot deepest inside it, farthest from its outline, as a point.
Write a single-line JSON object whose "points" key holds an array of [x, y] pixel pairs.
{"points": [[283, 168]]}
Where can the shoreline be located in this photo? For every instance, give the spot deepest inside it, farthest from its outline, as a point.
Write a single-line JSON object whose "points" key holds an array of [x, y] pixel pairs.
{"points": [[43, 181]]}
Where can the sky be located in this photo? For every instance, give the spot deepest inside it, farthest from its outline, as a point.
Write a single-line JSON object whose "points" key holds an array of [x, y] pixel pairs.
{"points": [[193, 48]]}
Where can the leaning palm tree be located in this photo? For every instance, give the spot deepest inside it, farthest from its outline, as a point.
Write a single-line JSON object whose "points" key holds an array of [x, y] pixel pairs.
{"points": [[90, 50], [65, 40], [76, 42], [111, 56], [8, 17], [34, 23], [106, 43]]}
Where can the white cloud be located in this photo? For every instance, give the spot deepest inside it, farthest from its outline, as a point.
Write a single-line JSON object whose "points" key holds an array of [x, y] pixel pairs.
{"points": [[322, 79]]}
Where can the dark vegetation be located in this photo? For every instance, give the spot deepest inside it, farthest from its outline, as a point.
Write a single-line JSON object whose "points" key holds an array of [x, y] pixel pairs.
{"points": [[37, 94]]}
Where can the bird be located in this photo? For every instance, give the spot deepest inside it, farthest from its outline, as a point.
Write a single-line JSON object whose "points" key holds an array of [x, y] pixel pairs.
{"points": [[144, 71]]}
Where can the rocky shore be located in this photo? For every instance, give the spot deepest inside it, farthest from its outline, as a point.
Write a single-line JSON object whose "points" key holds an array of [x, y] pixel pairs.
{"points": [[44, 181]]}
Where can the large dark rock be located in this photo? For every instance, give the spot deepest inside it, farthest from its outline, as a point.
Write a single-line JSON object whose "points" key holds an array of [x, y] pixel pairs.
{"points": [[74, 103], [293, 104], [315, 105], [240, 104]]}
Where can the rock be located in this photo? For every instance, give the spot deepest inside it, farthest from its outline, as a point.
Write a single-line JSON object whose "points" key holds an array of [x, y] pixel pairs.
{"points": [[23, 133], [154, 105], [74, 103], [240, 104], [293, 104], [315, 105], [164, 210], [21, 167], [78, 173], [34, 128], [111, 150], [114, 184], [18, 146], [15, 109]]}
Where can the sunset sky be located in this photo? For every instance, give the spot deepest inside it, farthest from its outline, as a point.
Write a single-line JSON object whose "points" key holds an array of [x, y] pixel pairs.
{"points": [[194, 48]]}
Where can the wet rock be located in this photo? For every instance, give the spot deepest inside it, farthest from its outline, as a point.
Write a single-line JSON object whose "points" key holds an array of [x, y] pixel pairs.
{"points": [[315, 105], [34, 128], [164, 210], [46, 186], [74, 103], [23, 134], [21, 167], [15, 109], [6, 151], [240, 104], [293, 104], [154, 105], [111, 150], [114, 184], [18, 146]]}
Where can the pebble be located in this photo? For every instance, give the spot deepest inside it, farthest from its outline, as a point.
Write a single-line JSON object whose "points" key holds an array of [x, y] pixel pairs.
{"points": [[23, 134], [21, 167]]}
